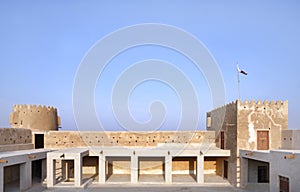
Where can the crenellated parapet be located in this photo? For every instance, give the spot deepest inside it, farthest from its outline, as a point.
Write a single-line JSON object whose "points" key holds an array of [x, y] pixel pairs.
{"points": [[263, 105], [34, 108], [225, 107], [221, 118], [256, 104], [43, 118]]}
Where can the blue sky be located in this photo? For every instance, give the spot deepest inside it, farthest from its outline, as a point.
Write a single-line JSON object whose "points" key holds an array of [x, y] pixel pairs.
{"points": [[44, 42]]}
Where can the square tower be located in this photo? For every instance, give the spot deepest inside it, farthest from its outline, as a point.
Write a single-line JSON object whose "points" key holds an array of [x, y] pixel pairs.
{"points": [[246, 125]]}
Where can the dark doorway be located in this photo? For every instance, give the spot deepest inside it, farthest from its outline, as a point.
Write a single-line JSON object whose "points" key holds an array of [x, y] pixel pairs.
{"points": [[11, 178], [262, 174], [284, 184], [38, 141], [226, 169], [222, 140], [36, 168], [262, 140]]}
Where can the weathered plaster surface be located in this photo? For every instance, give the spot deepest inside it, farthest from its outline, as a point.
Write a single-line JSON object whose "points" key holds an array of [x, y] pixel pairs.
{"points": [[240, 122], [64, 139], [34, 117]]}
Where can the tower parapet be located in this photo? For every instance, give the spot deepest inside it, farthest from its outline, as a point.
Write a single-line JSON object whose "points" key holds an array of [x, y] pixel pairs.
{"points": [[40, 118], [281, 106]]}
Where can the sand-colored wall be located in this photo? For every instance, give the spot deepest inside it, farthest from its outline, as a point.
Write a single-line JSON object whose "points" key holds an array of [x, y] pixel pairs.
{"points": [[147, 165], [151, 165], [210, 165], [184, 165], [38, 118], [219, 166], [9, 136], [259, 116], [65, 139], [118, 165], [90, 165], [12, 139]]}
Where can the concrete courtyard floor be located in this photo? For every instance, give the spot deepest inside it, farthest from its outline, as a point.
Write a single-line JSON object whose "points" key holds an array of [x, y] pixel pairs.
{"points": [[213, 183], [153, 188]]}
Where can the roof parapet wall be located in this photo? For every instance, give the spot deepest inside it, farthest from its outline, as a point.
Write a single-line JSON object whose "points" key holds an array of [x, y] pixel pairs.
{"points": [[34, 107], [224, 106], [259, 104]]}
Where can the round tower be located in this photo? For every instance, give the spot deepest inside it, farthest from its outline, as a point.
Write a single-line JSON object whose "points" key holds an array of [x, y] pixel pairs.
{"points": [[41, 118]]}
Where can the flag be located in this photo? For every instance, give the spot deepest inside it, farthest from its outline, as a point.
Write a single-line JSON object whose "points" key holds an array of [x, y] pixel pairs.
{"points": [[241, 71]]}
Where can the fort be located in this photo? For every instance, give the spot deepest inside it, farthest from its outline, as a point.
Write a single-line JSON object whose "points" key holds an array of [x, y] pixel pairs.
{"points": [[242, 145]]}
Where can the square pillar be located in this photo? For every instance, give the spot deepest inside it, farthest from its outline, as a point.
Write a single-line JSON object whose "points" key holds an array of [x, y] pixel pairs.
{"points": [[168, 169], [1, 178], [25, 175], [244, 172], [64, 170], [200, 169], [51, 172], [134, 168], [78, 171], [102, 169], [44, 169]]}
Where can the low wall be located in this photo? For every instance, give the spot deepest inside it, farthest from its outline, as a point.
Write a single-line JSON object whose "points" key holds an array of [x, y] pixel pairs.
{"points": [[290, 139], [12, 139], [66, 139]]}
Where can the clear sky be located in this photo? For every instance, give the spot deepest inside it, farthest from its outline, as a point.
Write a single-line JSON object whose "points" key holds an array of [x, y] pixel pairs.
{"points": [[42, 44]]}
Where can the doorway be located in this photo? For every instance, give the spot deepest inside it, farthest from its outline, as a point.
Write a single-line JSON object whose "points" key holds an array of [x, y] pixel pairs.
{"points": [[38, 141], [36, 170], [222, 140], [11, 178], [225, 169], [262, 140]]}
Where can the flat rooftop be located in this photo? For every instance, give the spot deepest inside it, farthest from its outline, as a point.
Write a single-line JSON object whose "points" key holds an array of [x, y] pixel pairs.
{"points": [[7, 154]]}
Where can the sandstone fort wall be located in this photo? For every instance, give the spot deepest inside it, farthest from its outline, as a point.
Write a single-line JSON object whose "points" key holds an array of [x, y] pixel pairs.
{"points": [[38, 118]]}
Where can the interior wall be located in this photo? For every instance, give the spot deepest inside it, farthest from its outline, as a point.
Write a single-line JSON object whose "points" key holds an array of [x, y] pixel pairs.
{"points": [[11, 173], [151, 165], [219, 166], [210, 165], [117, 165], [90, 165], [184, 165]]}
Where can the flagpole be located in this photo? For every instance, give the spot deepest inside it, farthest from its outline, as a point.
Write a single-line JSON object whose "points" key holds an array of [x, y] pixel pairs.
{"points": [[239, 90], [238, 79]]}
